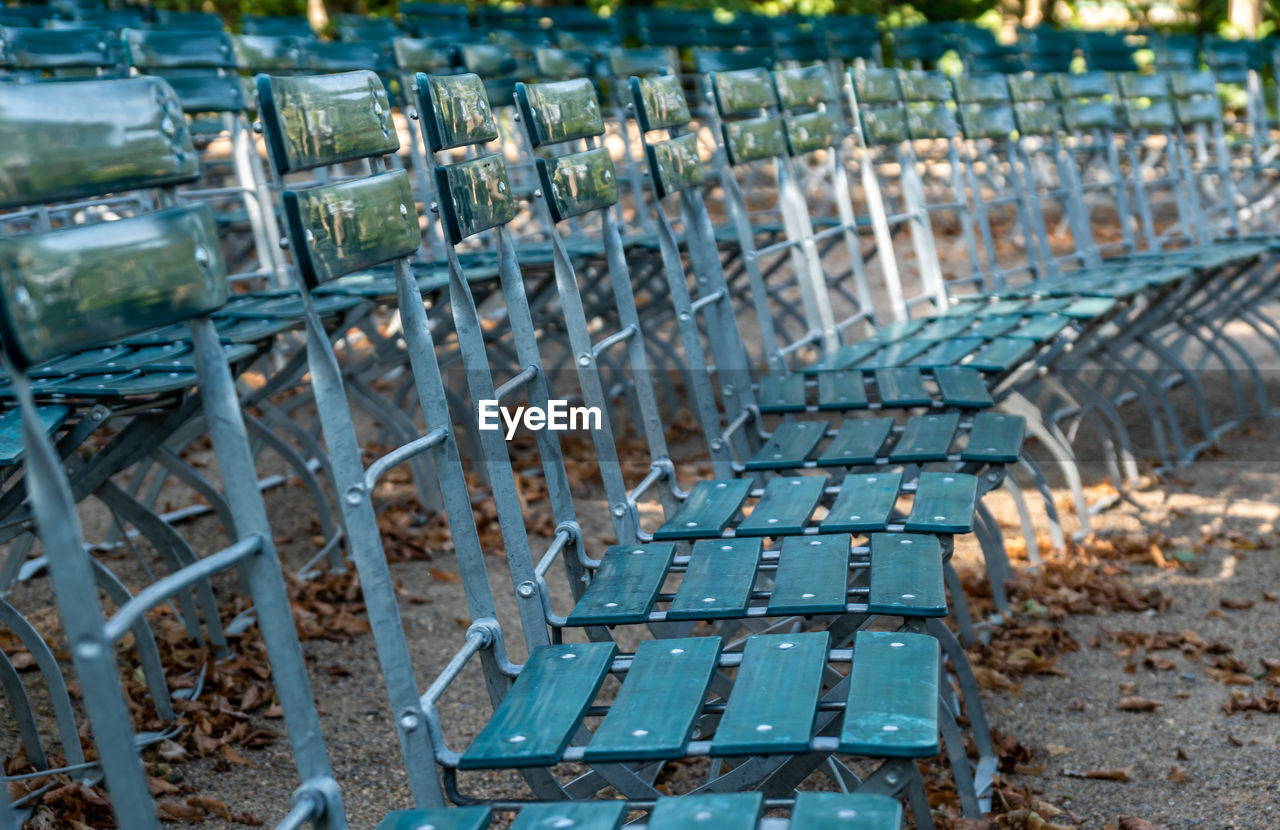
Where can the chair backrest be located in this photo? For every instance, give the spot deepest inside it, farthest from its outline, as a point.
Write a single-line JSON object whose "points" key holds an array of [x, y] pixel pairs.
{"points": [[276, 25], [85, 285], [199, 65], [79, 51], [187, 21], [356, 27]]}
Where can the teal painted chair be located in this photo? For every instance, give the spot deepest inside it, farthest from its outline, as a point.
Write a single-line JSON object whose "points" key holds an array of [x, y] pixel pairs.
{"points": [[118, 278]]}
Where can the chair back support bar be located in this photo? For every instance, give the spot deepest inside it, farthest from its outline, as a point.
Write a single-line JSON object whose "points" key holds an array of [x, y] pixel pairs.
{"points": [[107, 136], [351, 226], [459, 114], [81, 286], [320, 120], [560, 111]]}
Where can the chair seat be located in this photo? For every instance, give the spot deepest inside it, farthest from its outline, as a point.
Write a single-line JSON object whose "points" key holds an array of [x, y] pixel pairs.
{"points": [[771, 709], [738, 578], [866, 441], [11, 443], [787, 504], [728, 811]]}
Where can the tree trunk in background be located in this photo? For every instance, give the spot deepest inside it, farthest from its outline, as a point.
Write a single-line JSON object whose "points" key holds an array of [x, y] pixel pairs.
{"points": [[317, 15], [1245, 15], [1033, 13]]}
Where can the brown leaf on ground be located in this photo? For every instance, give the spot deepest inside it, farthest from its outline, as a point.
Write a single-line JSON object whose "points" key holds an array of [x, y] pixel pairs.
{"points": [[1134, 703], [444, 576], [209, 805], [1158, 663], [1130, 823], [180, 812], [1122, 774], [1236, 604], [991, 679], [1239, 701], [1177, 774], [1270, 596], [1192, 640]]}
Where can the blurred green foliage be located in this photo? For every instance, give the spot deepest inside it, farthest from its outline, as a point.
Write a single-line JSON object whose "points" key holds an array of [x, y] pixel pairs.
{"points": [[1199, 15]]}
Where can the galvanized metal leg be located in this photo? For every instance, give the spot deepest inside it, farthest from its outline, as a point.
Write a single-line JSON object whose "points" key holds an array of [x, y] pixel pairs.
{"points": [[51, 673], [20, 705], [985, 768], [92, 652]]}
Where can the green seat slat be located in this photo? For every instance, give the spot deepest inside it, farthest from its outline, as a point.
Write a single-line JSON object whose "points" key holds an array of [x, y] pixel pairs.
{"points": [[906, 576], [926, 438], [948, 352], [846, 811], [233, 352], [892, 709], [718, 583], [159, 336], [963, 387], [726, 811], [1089, 308], [251, 331], [625, 585], [125, 384], [79, 362], [535, 721], [438, 818], [579, 815], [843, 357], [842, 390], [782, 393], [856, 442], [812, 576], [902, 387], [1041, 327], [1047, 305], [775, 696], [944, 503], [894, 354], [995, 326], [789, 446], [785, 507], [654, 712], [944, 328], [865, 503], [1002, 354], [149, 356], [707, 511], [11, 443], [899, 329], [1002, 307], [995, 437]]}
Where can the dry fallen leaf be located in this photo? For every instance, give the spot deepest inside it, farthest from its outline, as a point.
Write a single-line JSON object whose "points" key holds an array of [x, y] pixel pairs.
{"points": [[180, 812], [1110, 773], [1130, 823], [1177, 774], [209, 805], [443, 576], [1235, 604], [1138, 704], [1158, 662]]}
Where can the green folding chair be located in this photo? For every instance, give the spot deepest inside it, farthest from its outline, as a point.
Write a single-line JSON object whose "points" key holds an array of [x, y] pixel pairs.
{"points": [[114, 279]]}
